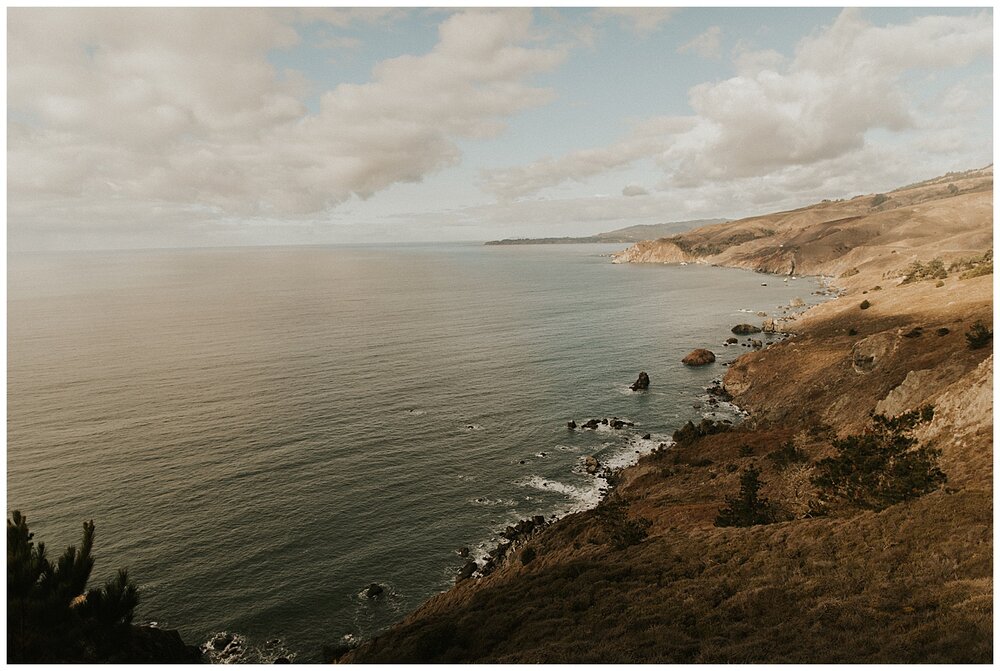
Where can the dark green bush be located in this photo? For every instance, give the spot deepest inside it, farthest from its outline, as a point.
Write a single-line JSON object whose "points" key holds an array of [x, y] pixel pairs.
{"points": [[747, 508], [882, 466], [979, 335], [622, 530], [50, 615], [865, 304], [788, 454]]}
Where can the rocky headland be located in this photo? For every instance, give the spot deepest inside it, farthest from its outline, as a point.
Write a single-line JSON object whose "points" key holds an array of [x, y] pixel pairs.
{"points": [[756, 543]]}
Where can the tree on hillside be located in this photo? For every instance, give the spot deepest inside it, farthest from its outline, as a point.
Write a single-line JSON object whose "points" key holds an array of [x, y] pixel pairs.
{"points": [[50, 615], [747, 508], [882, 466]]}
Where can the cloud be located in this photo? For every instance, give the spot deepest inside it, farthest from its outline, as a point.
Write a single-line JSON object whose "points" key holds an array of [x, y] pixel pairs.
{"points": [[707, 45], [647, 138], [634, 190], [183, 108], [643, 21], [819, 106]]}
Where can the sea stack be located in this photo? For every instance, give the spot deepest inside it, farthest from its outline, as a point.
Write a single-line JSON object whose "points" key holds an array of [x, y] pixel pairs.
{"points": [[641, 383]]}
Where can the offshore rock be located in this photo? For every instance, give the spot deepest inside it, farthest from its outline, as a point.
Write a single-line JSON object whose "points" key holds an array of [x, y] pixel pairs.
{"points": [[592, 464], [699, 357], [641, 383], [745, 329]]}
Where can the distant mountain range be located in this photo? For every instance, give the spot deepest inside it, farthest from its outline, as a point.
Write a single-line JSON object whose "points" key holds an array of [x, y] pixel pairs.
{"points": [[629, 234]]}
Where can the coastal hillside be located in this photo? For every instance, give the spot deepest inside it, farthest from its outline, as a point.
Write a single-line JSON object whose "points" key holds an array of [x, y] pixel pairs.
{"points": [[881, 232], [848, 519], [635, 233]]}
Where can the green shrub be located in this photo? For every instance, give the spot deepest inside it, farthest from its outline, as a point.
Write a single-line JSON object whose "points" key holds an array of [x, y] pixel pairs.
{"points": [[882, 466], [622, 530], [879, 199], [51, 615], [865, 304], [934, 270], [979, 335], [747, 508], [788, 454], [975, 266]]}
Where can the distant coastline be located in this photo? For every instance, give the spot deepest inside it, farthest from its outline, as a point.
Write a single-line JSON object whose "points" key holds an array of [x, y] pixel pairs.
{"points": [[627, 235]]}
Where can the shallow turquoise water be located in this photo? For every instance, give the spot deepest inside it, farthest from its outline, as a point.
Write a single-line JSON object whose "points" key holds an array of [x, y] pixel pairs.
{"points": [[261, 433]]}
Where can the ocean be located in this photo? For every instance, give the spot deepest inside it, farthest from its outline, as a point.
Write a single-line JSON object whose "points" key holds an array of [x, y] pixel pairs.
{"points": [[261, 433]]}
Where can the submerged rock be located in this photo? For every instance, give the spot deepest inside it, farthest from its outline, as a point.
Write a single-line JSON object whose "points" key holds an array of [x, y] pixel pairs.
{"points": [[641, 383], [571, 424], [374, 590], [699, 357]]}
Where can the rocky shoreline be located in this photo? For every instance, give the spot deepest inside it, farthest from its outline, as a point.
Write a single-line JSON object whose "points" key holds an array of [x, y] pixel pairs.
{"points": [[652, 569]]}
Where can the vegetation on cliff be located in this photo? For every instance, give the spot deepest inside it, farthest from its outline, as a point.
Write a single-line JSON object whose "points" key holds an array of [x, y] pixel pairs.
{"points": [[855, 550], [53, 618]]}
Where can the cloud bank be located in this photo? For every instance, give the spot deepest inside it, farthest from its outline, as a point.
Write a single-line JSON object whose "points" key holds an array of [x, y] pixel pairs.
{"points": [[181, 107], [776, 115]]}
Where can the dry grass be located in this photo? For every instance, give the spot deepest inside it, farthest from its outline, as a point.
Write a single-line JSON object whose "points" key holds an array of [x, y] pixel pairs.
{"points": [[909, 584]]}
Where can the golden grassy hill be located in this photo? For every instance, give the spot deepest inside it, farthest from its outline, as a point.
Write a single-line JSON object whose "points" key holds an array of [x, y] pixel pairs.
{"points": [[907, 582]]}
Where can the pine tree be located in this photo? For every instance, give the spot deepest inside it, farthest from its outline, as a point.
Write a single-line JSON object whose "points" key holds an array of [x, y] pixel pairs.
{"points": [[50, 615], [747, 508]]}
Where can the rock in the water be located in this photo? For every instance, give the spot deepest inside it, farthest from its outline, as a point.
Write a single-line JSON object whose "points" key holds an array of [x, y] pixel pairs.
{"points": [[641, 383], [592, 464], [699, 357], [571, 424], [374, 590], [646, 436], [770, 326], [796, 303], [463, 551], [756, 344], [591, 424], [745, 329], [732, 341]]}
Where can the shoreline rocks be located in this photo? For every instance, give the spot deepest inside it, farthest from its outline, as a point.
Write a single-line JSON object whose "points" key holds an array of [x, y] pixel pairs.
{"points": [[745, 329]]}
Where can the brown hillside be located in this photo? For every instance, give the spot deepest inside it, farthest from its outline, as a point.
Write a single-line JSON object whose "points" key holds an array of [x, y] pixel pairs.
{"points": [[908, 582]]}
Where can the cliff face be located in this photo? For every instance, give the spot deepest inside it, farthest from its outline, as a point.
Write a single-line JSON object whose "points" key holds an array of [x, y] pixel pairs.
{"points": [[910, 582], [883, 231]]}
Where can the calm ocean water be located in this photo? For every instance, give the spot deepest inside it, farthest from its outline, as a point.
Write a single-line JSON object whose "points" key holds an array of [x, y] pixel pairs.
{"points": [[261, 433]]}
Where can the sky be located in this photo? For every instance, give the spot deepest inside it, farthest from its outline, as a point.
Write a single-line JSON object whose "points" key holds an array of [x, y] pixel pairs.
{"points": [[180, 127]]}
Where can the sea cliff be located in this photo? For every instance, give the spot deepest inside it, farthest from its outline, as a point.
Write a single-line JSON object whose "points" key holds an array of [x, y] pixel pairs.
{"points": [[829, 575]]}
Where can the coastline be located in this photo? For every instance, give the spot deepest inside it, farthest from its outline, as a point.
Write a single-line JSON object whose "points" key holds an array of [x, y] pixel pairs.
{"points": [[844, 585]]}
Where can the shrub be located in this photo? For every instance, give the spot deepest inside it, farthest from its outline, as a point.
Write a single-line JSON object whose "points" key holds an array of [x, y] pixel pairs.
{"points": [[622, 531], [527, 554], [975, 266], [882, 466], [934, 270], [788, 454], [51, 616], [865, 304], [979, 335], [879, 199], [747, 508]]}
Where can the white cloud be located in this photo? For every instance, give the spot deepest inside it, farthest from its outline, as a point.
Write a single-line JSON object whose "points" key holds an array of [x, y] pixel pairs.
{"points": [[644, 21], [842, 84], [182, 107], [707, 45]]}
